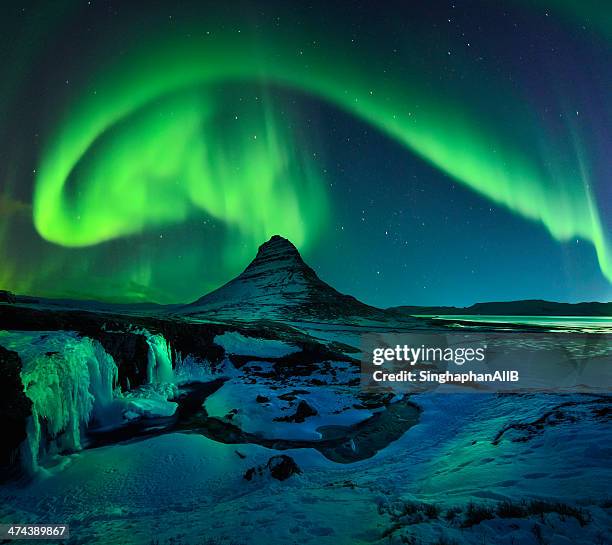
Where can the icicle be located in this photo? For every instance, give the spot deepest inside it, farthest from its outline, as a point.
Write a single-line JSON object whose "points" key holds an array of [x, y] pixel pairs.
{"points": [[67, 378], [189, 368]]}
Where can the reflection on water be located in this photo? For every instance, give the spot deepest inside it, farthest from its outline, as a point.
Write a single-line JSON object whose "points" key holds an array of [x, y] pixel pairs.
{"points": [[583, 324]]}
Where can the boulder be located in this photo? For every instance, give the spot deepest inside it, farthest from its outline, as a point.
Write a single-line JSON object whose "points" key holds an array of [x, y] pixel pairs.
{"points": [[303, 411], [279, 467], [282, 467]]}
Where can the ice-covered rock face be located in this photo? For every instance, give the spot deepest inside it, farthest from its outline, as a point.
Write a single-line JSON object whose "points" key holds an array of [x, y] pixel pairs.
{"points": [[68, 379], [72, 384], [279, 284]]}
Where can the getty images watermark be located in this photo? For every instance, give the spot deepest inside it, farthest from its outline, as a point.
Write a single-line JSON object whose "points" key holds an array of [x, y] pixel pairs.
{"points": [[492, 362], [430, 355]]}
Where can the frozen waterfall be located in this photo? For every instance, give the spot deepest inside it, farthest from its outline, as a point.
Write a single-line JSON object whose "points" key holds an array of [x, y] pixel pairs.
{"points": [[159, 359], [69, 379]]}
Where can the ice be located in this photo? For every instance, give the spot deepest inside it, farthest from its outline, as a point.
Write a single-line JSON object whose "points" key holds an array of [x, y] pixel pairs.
{"points": [[189, 369], [72, 383], [159, 359], [185, 488], [69, 379], [150, 401]]}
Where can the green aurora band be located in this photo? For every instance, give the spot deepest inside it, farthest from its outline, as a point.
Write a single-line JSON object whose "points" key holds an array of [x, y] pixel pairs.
{"points": [[147, 145]]}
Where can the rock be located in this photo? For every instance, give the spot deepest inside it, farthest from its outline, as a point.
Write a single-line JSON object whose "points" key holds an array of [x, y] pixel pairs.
{"points": [[130, 352], [280, 467], [230, 415], [262, 399], [7, 297], [303, 411], [15, 408], [252, 471], [290, 396]]}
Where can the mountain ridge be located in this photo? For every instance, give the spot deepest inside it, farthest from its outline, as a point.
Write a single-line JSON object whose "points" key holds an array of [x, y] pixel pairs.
{"points": [[522, 307]]}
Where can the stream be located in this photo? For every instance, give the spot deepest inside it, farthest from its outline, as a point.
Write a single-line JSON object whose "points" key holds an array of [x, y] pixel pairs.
{"points": [[342, 444]]}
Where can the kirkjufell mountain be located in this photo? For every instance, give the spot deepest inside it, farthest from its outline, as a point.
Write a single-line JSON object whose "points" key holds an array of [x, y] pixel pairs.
{"points": [[278, 284]]}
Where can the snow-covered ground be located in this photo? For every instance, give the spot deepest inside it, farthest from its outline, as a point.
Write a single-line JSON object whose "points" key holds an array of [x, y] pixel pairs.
{"points": [[258, 406], [187, 488], [475, 469]]}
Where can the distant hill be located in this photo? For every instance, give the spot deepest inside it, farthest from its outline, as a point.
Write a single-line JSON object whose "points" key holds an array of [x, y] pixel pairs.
{"points": [[82, 304], [528, 307]]}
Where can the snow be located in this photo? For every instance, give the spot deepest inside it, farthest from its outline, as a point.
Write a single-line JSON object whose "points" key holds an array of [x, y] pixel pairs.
{"points": [[470, 464], [186, 489], [187, 484], [237, 344], [150, 401], [334, 407]]}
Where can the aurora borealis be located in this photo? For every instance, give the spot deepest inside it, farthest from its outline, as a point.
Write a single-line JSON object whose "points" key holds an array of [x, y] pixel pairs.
{"points": [[158, 157]]}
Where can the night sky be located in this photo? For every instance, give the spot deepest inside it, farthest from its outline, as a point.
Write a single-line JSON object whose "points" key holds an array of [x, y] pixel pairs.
{"points": [[426, 153]]}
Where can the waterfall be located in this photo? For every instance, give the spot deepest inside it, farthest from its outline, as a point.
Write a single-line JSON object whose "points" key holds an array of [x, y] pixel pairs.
{"points": [[73, 382], [69, 379], [159, 359], [153, 399]]}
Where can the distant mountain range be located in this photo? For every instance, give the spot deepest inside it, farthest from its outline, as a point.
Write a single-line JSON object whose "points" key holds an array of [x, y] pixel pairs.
{"points": [[279, 285], [527, 307]]}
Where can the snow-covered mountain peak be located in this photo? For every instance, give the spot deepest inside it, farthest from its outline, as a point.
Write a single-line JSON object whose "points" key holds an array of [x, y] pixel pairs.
{"points": [[278, 284], [277, 254]]}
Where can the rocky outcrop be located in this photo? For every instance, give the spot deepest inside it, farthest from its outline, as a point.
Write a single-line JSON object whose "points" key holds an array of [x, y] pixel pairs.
{"points": [[303, 411], [279, 467], [121, 335], [130, 352], [15, 408]]}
